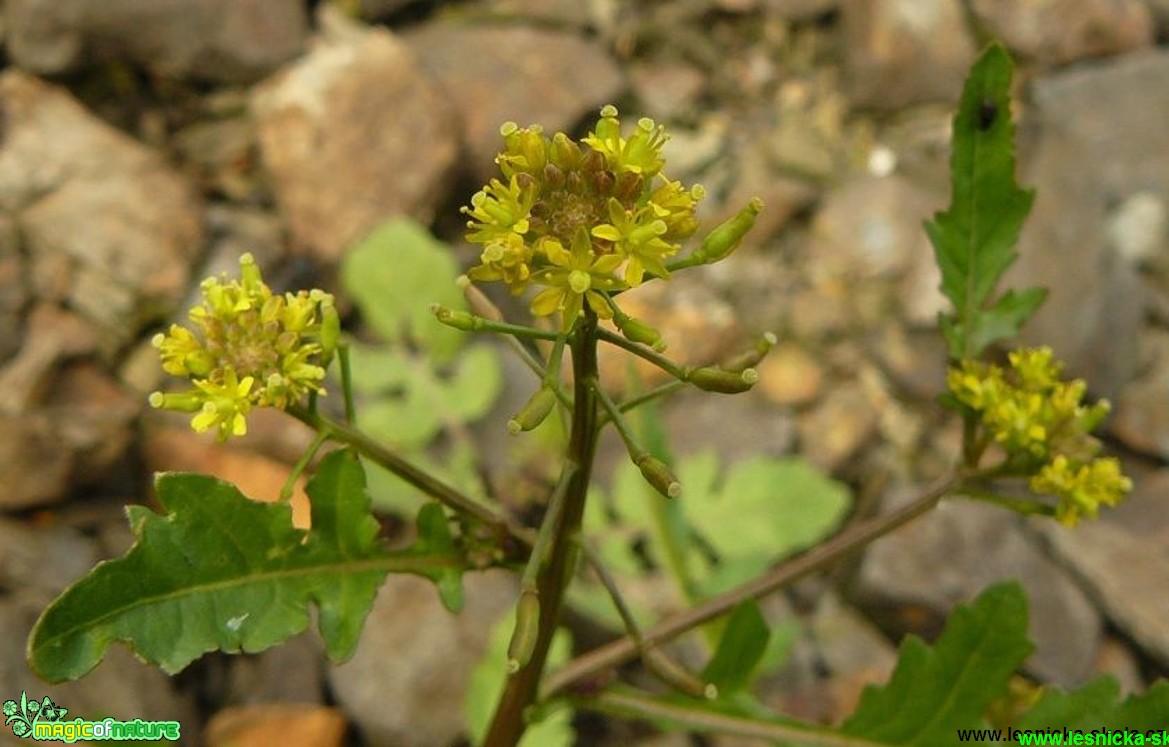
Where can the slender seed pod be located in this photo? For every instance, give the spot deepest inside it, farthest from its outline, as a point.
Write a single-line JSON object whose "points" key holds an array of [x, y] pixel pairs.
{"points": [[751, 358], [725, 238], [714, 379], [463, 320], [657, 474], [527, 630], [636, 330], [534, 412], [677, 676]]}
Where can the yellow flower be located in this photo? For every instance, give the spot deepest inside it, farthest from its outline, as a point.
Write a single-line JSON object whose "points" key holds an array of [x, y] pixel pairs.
{"points": [[1081, 487], [574, 277], [248, 348]]}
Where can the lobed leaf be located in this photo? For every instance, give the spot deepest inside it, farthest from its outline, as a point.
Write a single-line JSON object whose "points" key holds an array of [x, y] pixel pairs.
{"points": [[937, 689], [218, 571], [1097, 705], [974, 238]]}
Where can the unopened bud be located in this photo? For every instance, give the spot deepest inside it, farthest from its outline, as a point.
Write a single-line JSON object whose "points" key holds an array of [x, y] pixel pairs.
{"points": [[330, 329], [177, 401], [725, 238], [534, 412], [713, 379], [527, 630], [657, 474]]}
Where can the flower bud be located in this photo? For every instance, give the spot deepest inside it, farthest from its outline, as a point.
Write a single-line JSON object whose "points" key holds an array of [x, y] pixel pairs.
{"points": [[725, 238], [714, 379], [534, 412], [330, 329], [527, 630], [657, 474]]}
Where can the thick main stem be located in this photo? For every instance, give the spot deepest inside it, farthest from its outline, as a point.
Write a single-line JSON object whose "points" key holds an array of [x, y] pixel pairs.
{"points": [[520, 691]]}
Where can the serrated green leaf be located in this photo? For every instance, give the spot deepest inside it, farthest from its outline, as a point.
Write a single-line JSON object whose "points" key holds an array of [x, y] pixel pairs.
{"points": [[435, 538], [220, 571], [974, 238], [743, 643], [937, 689], [1097, 705], [394, 275]]}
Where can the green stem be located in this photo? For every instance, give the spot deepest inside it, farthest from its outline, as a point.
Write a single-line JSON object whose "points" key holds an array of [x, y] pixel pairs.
{"points": [[520, 690], [417, 477], [842, 545]]}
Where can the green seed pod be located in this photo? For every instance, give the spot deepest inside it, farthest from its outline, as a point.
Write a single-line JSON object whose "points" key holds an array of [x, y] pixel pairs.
{"points": [[534, 412], [714, 379], [636, 330], [677, 676], [657, 474], [725, 238], [330, 330], [751, 358], [463, 320], [527, 630]]}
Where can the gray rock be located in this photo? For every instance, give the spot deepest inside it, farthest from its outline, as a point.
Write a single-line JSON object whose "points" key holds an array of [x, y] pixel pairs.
{"points": [[14, 292], [220, 40], [900, 52], [495, 74], [799, 10], [406, 683], [949, 555], [108, 228], [351, 135], [1098, 142], [1055, 33]]}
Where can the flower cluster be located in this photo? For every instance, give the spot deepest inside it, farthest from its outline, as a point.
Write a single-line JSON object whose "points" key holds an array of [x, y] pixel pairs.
{"points": [[249, 348], [580, 220], [1045, 429]]}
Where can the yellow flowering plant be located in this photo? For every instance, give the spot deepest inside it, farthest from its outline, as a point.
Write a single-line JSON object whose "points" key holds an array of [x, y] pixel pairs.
{"points": [[571, 225]]}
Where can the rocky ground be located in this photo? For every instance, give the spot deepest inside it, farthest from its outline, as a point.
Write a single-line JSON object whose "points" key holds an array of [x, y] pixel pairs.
{"points": [[144, 146]]}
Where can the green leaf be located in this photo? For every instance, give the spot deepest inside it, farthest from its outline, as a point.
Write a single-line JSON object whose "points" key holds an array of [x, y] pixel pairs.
{"points": [[763, 510], [974, 239], [743, 642], [394, 275], [220, 571], [937, 689], [1097, 705]]}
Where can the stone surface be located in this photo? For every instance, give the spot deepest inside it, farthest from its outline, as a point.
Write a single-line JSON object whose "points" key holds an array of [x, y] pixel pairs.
{"points": [[219, 40], [901, 52], [836, 428], [1098, 141], [1054, 33], [406, 683], [288, 725], [914, 576], [351, 135], [1123, 558], [108, 228], [494, 74]]}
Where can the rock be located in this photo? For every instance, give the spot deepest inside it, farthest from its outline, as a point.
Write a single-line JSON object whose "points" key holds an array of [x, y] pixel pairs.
{"points": [[870, 228], [277, 723], [292, 672], [738, 426], [1123, 558], [108, 228], [852, 649], [218, 40], [53, 445], [1141, 419], [1097, 144], [1056, 33], [496, 74], [799, 11], [14, 292], [914, 576], [667, 89], [790, 375], [902, 52], [406, 684], [555, 12], [380, 9], [837, 427], [352, 134]]}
